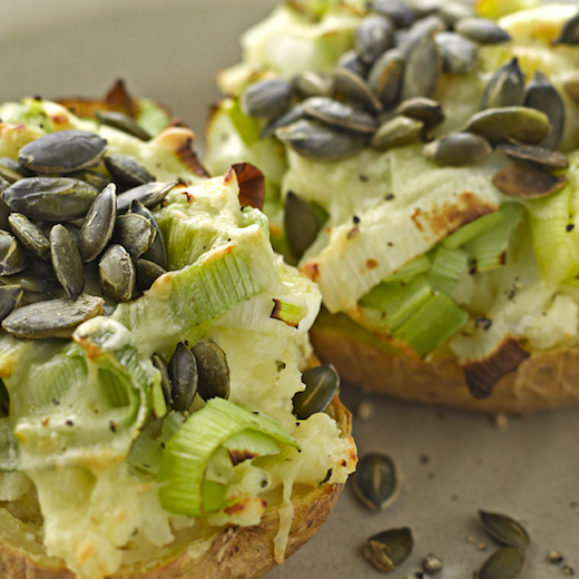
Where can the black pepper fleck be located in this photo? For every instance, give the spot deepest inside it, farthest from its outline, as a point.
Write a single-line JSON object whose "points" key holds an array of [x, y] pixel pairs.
{"points": [[356, 220], [69, 423], [570, 227], [483, 322], [389, 197], [363, 178], [112, 426]]}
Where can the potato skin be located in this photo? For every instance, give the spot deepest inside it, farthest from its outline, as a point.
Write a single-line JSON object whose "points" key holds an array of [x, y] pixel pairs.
{"points": [[546, 379], [230, 553]]}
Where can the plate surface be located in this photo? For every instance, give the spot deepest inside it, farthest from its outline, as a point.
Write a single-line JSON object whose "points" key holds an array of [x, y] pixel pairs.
{"points": [[452, 463]]}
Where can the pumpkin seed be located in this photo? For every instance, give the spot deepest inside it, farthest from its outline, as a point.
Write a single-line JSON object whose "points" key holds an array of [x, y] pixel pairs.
{"points": [[505, 563], [184, 376], [29, 235], [311, 139], [402, 15], [294, 114], [451, 12], [149, 195], [527, 182], [159, 363], [354, 88], [4, 209], [94, 177], [135, 233], [335, 113], [301, 224], [213, 370], [385, 77], [375, 34], [13, 258], [500, 125], [423, 68], [458, 149], [571, 85], [482, 30], [98, 225], [10, 296], [66, 261], [127, 171], [388, 549], [50, 199], [397, 132], [123, 123], [505, 88], [321, 385], [459, 54], [375, 481], [53, 318], [267, 99], [62, 152], [543, 96], [157, 251], [570, 31], [311, 83], [422, 109], [28, 282], [539, 156], [117, 274], [147, 272], [504, 529], [406, 39], [10, 170], [351, 61]]}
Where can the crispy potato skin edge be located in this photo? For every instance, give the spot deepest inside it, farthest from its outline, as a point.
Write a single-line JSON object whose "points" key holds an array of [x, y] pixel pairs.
{"points": [[546, 379], [234, 552]]}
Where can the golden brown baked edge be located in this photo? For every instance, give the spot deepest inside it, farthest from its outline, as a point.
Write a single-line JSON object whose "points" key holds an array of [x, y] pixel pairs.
{"points": [[546, 379]]}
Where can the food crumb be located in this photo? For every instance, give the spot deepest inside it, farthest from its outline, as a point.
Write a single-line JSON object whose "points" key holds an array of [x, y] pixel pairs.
{"points": [[469, 539], [568, 570], [432, 564], [501, 421], [365, 410], [482, 546], [424, 459], [555, 557]]}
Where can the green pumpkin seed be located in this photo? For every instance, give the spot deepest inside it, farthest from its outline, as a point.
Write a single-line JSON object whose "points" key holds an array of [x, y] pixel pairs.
{"points": [[406, 40], [543, 96], [123, 123], [335, 113], [28, 282], [374, 35], [10, 170], [570, 31], [482, 30], [294, 114], [94, 177], [157, 251], [10, 296], [98, 225], [423, 68], [62, 152], [400, 13], [267, 99], [355, 89], [422, 109], [135, 233], [184, 376], [452, 12], [316, 141], [505, 88], [352, 62], [500, 125], [13, 258], [4, 209], [389, 549], [459, 54], [127, 171], [310, 83], [213, 370], [117, 275], [53, 318], [571, 85], [301, 224], [159, 363], [458, 149], [397, 132], [149, 195], [504, 529], [539, 156], [527, 182], [385, 77], [30, 235], [147, 272], [375, 481], [505, 563], [66, 261], [50, 199], [321, 385]]}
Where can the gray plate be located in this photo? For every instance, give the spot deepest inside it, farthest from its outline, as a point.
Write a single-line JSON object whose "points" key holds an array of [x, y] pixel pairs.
{"points": [[452, 463]]}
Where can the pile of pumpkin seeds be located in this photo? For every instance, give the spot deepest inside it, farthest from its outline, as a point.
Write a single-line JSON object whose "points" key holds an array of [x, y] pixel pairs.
{"points": [[380, 95], [76, 231]]}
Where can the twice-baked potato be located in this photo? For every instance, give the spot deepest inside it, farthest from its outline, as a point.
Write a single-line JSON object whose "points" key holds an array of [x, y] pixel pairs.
{"points": [[161, 411], [422, 167]]}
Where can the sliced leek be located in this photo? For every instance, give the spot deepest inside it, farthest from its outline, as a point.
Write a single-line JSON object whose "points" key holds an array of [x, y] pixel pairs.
{"points": [[472, 229]]}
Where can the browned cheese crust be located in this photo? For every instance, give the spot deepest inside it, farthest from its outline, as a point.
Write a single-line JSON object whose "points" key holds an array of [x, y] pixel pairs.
{"points": [[228, 553], [545, 379]]}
